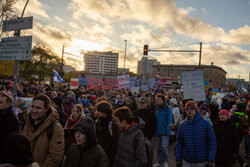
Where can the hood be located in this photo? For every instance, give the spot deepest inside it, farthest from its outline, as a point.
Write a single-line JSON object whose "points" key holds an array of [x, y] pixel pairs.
{"points": [[87, 127]]}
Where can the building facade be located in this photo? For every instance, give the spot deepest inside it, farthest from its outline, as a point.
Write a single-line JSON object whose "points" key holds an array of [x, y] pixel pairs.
{"points": [[145, 66], [101, 62], [215, 75], [238, 83]]}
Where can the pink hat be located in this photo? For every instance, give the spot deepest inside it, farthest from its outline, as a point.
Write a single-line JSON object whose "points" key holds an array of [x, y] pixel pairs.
{"points": [[224, 112]]}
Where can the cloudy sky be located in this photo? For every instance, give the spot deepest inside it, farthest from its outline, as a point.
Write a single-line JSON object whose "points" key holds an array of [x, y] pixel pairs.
{"points": [[223, 26]]}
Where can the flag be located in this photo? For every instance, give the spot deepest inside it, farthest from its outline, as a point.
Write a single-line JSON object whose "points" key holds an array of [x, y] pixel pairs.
{"points": [[56, 77]]}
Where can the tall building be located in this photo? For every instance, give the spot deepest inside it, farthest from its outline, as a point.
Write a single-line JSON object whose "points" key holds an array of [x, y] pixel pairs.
{"points": [[101, 62], [215, 75], [145, 66]]}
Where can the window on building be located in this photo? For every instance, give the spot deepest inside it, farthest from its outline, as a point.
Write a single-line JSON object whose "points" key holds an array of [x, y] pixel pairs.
{"points": [[158, 69]]}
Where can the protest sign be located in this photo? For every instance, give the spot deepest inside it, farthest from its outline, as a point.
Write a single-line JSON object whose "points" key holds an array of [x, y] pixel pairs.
{"points": [[74, 83], [193, 85]]}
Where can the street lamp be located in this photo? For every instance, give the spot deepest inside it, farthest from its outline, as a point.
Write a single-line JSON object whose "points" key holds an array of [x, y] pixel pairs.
{"points": [[125, 54]]}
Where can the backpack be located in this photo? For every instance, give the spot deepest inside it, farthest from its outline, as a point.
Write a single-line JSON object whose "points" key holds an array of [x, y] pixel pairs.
{"points": [[149, 150], [50, 129], [243, 123]]}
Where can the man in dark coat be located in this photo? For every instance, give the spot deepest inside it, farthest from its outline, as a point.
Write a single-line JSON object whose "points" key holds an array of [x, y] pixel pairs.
{"points": [[57, 104], [8, 120], [107, 131], [131, 150], [148, 116]]}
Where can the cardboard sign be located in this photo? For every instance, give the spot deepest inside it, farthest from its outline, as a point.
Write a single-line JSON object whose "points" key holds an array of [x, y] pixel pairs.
{"points": [[193, 85]]}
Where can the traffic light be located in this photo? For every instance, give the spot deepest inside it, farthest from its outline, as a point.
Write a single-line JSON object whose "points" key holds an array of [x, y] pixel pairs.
{"points": [[145, 50]]}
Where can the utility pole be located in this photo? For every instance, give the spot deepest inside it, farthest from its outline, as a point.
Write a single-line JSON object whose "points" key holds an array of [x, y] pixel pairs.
{"points": [[200, 53], [61, 70], [17, 34], [125, 54]]}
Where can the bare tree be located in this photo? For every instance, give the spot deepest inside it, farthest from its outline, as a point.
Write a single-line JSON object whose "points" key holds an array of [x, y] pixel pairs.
{"points": [[7, 11]]}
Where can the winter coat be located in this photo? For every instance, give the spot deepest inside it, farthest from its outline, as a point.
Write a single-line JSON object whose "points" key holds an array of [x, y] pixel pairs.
{"points": [[108, 133], [68, 106], [226, 138], [91, 155], [47, 153], [76, 157], [164, 119], [214, 108], [8, 123], [196, 141], [206, 117], [131, 150], [62, 117], [148, 116]]}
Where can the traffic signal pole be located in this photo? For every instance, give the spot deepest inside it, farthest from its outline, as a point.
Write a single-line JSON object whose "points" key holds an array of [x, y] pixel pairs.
{"points": [[146, 50]]}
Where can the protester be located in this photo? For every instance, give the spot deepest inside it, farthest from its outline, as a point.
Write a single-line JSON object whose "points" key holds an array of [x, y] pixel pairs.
{"points": [[226, 138], [57, 104], [106, 130], [85, 152], [214, 108], [8, 120], [68, 105], [47, 149], [77, 114], [176, 117], [247, 136], [164, 118], [131, 150], [204, 111], [148, 116], [16, 151], [196, 141]]}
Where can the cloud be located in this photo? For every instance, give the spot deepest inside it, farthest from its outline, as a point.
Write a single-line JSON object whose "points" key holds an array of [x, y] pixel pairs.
{"points": [[58, 18], [34, 7], [238, 36]]}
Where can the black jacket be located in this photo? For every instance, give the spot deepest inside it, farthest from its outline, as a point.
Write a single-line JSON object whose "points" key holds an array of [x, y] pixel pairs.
{"points": [[91, 155], [226, 142], [214, 108], [8, 123], [148, 116], [108, 136]]}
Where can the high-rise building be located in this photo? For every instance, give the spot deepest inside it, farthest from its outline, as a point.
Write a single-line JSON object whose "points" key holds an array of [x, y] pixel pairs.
{"points": [[144, 67], [101, 62]]}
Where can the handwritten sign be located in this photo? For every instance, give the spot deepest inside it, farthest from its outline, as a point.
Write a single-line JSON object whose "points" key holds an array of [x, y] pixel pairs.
{"points": [[193, 85], [74, 83]]}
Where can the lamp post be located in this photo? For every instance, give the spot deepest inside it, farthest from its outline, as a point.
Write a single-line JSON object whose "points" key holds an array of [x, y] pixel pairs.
{"points": [[125, 54]]}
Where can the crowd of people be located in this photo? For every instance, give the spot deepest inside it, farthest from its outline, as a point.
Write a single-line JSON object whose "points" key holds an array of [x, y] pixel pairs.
{"points": [[116, 128]]}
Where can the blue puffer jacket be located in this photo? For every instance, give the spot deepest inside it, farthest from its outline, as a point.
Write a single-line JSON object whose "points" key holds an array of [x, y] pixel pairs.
{"points": [[196, 141], [164, 119]]}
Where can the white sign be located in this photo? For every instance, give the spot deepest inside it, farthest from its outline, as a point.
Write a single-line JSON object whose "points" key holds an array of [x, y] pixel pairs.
{"points": [[16, 48], [74, 83], [135, 89], [193, 85], [17, 24]]}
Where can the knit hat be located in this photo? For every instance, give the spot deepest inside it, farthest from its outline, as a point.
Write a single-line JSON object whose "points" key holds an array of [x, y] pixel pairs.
{"points": [[57, 100], [191, 104], [8, 95], [224, 112], [173, 100]]}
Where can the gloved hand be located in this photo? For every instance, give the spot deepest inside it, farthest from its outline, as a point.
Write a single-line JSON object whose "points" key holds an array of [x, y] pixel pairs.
{"points": [[210, 164], [178, 164]]}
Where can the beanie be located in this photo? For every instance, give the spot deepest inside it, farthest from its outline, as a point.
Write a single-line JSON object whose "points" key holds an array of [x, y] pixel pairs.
{"points": [[173, 100], [191, 104], [224, 112]]}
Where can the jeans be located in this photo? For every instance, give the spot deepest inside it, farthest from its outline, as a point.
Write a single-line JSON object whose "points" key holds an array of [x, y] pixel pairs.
{"points": [[187, 164], [247, 145], [162, 149]]}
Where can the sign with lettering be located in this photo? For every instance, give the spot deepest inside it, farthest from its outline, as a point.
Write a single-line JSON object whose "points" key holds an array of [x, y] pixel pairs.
{"points": [[17, 24], [193, 85], [16, 48], [74, 83]]}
